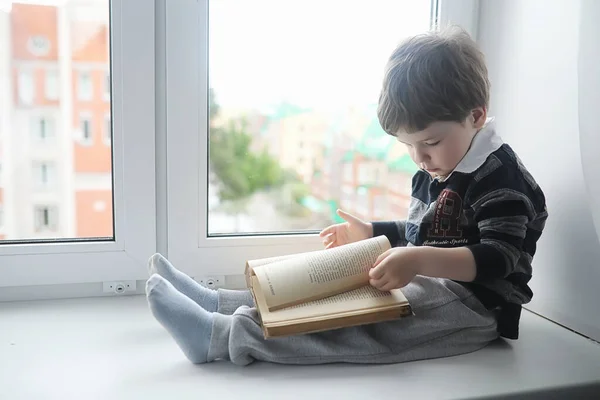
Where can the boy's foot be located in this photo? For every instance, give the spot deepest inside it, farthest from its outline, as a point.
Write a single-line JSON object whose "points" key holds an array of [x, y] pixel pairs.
{"points": [[188, 323], [204, 297]]}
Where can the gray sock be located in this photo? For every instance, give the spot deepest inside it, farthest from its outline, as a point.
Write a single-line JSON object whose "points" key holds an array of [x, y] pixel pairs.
{"points": [[188, 323], [204, 297]]}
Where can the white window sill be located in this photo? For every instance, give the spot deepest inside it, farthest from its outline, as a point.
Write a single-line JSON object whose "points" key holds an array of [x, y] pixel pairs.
{"points": [[117, 339]]}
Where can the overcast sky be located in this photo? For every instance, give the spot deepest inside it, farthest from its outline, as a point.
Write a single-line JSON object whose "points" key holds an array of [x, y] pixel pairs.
{"points": [[316, 53]]}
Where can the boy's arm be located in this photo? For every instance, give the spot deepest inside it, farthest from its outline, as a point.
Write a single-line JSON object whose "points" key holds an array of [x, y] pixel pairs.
{"points": [[395, 231], [457, 263], [503, 215]]}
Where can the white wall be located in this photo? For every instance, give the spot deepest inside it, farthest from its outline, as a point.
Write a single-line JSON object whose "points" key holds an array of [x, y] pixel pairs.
{"points": [[532, 52]]}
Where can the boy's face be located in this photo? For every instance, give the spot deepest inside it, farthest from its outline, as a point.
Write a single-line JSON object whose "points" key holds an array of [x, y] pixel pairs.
{"points": [[439, 148]]}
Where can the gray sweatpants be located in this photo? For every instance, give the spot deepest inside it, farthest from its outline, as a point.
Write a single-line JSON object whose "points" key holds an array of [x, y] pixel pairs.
{"points": [[449, 320]]}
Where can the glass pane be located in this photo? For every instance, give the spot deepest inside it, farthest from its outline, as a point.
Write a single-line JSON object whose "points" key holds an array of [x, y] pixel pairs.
{"points": [[56, 171], [294, 133]]}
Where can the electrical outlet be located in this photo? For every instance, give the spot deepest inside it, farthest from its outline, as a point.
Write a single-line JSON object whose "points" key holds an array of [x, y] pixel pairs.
{"points": [[212, 281], [118, 287]]}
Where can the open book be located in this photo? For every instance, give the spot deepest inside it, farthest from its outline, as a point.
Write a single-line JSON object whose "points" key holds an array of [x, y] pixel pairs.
{"points": [[322, 290]]}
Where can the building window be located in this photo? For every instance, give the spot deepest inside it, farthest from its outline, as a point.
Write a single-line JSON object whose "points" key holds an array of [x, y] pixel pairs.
{"points": [[42, 128], [107, 134], [347, 173], [364, 174], [26, 88], [43, 174], [85, 129], [39, 46], [51, 85], [99, 206], [46, 218], [85, 88], [380, 206]]}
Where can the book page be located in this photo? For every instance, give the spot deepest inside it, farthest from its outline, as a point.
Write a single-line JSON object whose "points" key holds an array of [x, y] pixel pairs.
{"points": [[251, 264], [363, 298], [271, 260], [319, 274]]}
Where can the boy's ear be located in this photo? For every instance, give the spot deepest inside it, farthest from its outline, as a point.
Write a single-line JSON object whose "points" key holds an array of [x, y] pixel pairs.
{"points": [[478, 117]]}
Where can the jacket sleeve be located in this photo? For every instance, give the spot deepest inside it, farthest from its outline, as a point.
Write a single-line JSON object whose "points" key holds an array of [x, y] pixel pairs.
{"points": [[505, 211], [395, 231]]}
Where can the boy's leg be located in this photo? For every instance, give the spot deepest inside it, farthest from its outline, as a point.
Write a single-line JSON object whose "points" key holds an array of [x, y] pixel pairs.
{"points": [[223, 301], [230, 300], [188, 323], [448, 321]]}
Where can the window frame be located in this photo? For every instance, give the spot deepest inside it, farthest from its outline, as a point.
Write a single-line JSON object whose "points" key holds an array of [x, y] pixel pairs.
{"points": [[38, 183], [187, 113], [81, 94], [49, 129], [52, 212], [85, 116], [133, 173], [26, 74], [51, 84]]}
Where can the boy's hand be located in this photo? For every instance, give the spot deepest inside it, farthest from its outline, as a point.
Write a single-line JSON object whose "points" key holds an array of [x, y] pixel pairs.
{"points": [[353, 230], [394, 269]]}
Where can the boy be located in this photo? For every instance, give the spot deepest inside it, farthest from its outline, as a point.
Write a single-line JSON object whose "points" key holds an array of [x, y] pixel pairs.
{"points": [[463, 256]]}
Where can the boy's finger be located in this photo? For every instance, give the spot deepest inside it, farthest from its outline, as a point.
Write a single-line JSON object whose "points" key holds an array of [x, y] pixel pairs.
{"points": [[378, 271], [381, 257], [331, 244], [327, 231], [388, 286], [378, 283], [328, 237], [348, 217]]}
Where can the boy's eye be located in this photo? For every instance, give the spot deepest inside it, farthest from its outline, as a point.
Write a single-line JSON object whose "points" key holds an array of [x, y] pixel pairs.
{"points": [[433, 143]]}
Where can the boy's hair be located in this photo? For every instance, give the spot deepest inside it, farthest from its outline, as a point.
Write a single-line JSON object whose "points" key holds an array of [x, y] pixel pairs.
{"points": [[437, 76]]}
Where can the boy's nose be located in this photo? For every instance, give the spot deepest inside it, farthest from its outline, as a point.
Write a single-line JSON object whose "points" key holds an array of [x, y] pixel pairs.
{"points": [[421, 157]]}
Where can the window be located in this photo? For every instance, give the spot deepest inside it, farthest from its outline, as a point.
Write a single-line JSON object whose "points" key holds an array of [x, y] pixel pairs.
{"points": [[122, 195], [46, 218], [251, 117], [99, 206], [85, 219], [380, 203], [42, 128], [364, 177], [348, 175], [290, 108], [106, 135], [26, 88], [85, 88], [347, 197], [51, 85], [39, 46], [85, 129], [362, 202], [43, 174]]}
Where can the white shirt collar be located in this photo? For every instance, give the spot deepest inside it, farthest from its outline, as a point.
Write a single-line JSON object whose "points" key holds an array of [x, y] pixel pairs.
{"points": [[485, 142]]}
